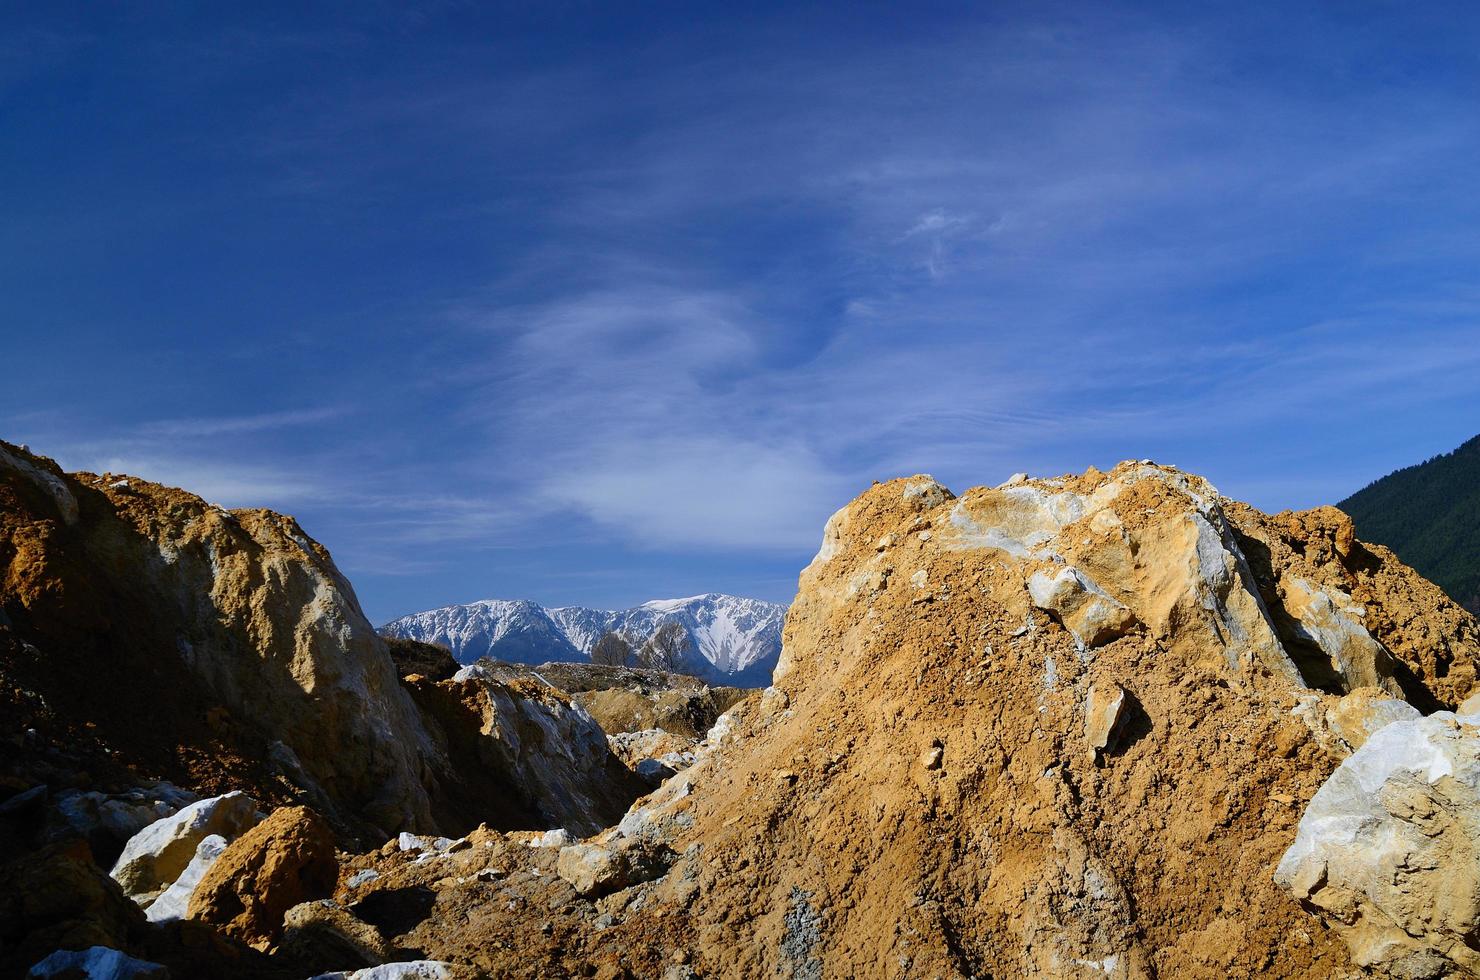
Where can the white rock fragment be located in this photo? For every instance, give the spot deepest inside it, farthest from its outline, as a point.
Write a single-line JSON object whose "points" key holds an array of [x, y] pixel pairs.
{"points": [[363, 877], [174, 902], [97, 963], [559, 837], [1086, 610], [1388, 851], [158, 854], [423, 845], [407, 970]]}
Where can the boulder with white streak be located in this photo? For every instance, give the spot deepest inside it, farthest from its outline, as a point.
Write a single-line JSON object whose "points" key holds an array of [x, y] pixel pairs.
{"points": [[1388, 852], [174, 901], [157, 855]]}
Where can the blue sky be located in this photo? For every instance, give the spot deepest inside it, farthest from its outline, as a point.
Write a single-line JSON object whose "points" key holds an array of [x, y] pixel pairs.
{"points": [[591, 303]]}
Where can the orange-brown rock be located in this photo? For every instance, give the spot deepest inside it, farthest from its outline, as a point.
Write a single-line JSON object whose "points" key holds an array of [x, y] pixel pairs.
{"points": [[283, 861], [960, 773], [220, 649]]}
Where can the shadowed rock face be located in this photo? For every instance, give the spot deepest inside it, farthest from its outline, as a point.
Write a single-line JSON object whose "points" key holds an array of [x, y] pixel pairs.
{"points": [[221, 648], [521, 755], [147, 633]]}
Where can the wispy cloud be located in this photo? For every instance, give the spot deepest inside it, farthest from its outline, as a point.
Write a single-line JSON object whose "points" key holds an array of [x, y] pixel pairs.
{"points": [[227, 484], [190, 428]]}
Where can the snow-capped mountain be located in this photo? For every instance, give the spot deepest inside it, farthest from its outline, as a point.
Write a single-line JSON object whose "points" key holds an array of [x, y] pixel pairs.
{"points": [[735, 640]]}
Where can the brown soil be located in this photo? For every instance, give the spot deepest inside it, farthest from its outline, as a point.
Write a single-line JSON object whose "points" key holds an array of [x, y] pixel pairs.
{"points": [[920, 797]]}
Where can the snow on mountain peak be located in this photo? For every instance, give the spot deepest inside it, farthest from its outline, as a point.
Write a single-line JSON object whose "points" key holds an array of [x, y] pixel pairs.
{"points": [[735, 640]]}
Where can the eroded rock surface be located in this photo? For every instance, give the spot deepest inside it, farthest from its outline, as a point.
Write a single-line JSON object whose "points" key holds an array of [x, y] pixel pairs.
{"points": [[284, 861], [522, 754], [961, 773], [628, 699], [1388, 852], [231, 632]]}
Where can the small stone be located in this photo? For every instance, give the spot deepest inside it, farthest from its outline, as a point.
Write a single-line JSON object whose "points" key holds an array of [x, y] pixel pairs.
{"points": [[931, 757], [594, 870], [1085, 609], [884, 543], [1101, 712], [559, 837]]}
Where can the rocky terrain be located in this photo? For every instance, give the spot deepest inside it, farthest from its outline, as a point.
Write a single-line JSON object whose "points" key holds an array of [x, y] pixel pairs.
{"points": [[733, 641], [156, 650], [1102, 725], [654, 721]]}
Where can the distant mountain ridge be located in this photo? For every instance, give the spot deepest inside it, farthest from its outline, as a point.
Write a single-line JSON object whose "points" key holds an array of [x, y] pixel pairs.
{"points": [[1429, 514], [735, 640]]}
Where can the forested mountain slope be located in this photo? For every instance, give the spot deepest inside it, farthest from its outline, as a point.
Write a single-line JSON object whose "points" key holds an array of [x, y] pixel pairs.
{"points": [[1429, 514]]}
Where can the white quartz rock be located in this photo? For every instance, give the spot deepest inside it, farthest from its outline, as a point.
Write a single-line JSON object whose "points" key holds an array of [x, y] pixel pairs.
{"points": [[175, 901], [1388, 852], [157, 855]]}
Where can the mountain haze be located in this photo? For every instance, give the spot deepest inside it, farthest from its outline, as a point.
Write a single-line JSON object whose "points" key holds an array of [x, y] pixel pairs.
{"points": [[735, 640], [1429, 514]]}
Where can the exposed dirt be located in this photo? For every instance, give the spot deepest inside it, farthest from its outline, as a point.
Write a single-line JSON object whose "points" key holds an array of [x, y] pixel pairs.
{"points": [[1056, 728], [921, 796]]}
